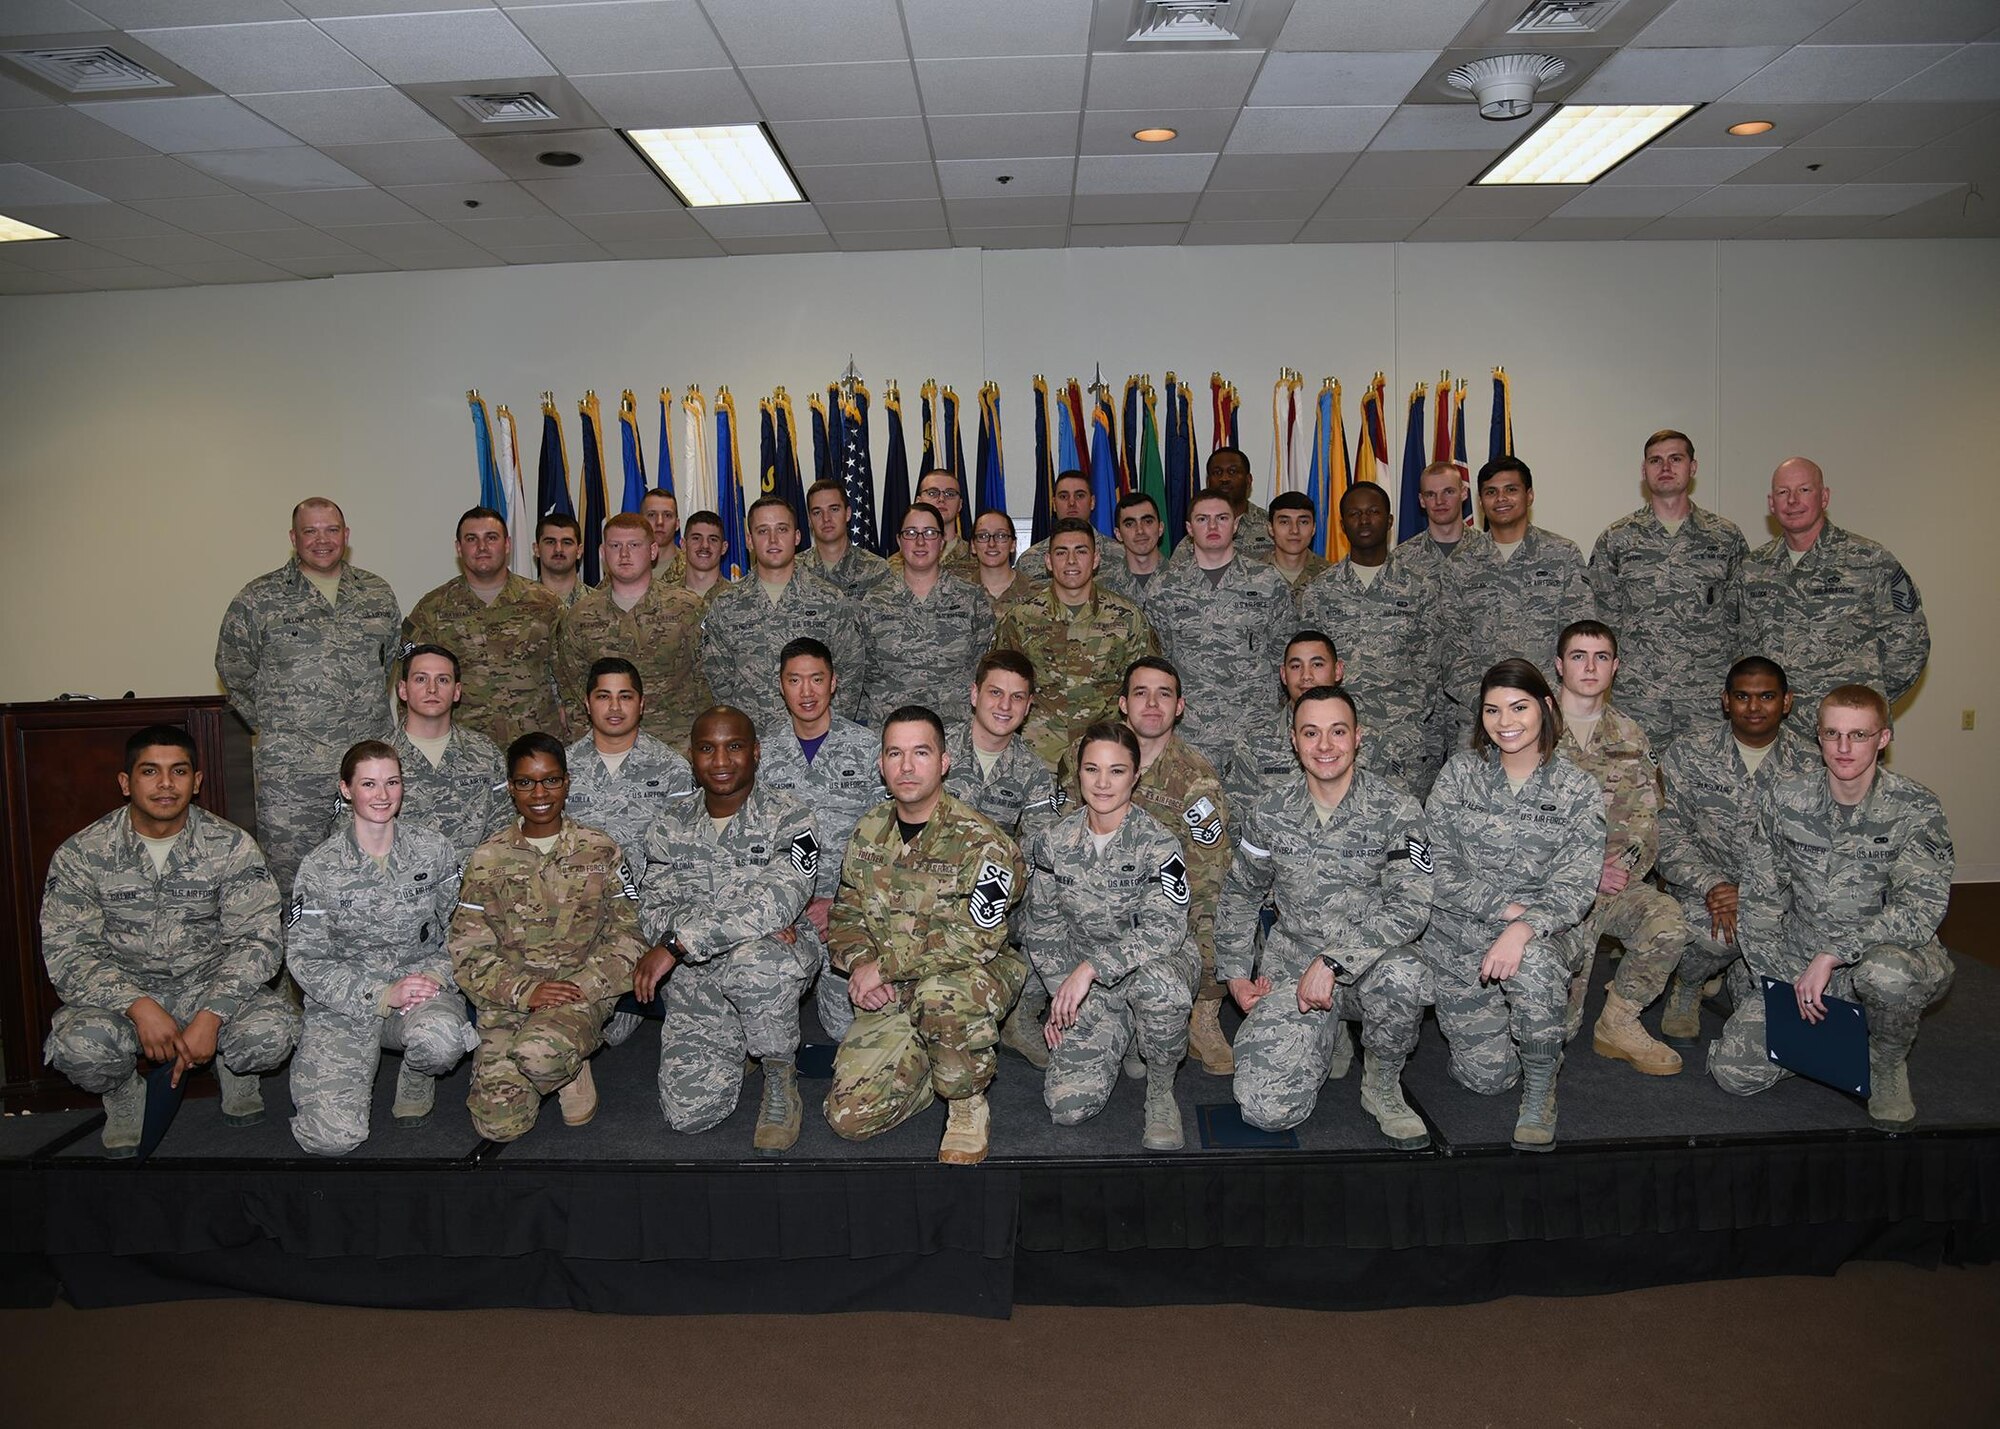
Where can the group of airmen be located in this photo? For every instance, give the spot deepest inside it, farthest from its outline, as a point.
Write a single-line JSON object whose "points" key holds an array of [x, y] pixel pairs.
{"points": [[1066, 803]]}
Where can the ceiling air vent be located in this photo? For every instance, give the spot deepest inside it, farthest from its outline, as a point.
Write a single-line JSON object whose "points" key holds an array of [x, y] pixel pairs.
{"points": [[87, 69], [1565, 17], [1186, 20], [506, 108]]}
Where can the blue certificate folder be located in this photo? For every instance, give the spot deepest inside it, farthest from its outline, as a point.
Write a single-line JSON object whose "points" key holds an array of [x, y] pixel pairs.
{"points": [[1833, 1051]]}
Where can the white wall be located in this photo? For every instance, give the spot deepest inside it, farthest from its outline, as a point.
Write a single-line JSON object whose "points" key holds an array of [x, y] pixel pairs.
{"points": [[152, 443]]}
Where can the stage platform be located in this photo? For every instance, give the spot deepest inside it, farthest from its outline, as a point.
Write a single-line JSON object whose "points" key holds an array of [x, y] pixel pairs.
{"points": [[1654, 1180]]}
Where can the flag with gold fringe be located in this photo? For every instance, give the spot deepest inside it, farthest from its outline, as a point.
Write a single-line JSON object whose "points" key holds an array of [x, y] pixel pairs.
{"points": [[1327, 479], [1225, 406], [1500, 436], [1045, 463], [729, 486], [1458, 443], [895, 473], [822, 441], [491, 493], [992, 469], [857, 467], [697, 473], [521, 518], [552, 471], [953, 441], [1285, 474], [630, 452], [1410, 511], [1128, 434], [596, 500], [1371, 444], [1148, 476], [1103, 459], [666, 446], [1182, 464]]}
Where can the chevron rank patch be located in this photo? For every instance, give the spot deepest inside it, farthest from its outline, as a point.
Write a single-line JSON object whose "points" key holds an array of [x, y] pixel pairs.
{"points": [[626, 887], [804, 854], [1174, 879], [1420, 854], [991, 893], [1203, 822]]}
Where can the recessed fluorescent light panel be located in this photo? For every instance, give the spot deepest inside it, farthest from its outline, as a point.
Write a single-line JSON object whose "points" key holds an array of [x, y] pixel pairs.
{"points": [[12, 230], [718, 164], [1580, 143]]}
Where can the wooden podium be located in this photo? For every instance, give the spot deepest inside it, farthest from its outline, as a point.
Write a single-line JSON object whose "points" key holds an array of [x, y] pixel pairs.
{"points": [[58, 772]]}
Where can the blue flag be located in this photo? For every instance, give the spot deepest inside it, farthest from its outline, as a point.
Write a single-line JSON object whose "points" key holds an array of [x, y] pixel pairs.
{"points": [[596, 501], [729, 487], [992, 469], [953, 442], [491, 492], [1104, 462], [1411, 519], [667, 445], [822, 454], [895, 474], [552, 474], [630, 452], [1069, 457]]}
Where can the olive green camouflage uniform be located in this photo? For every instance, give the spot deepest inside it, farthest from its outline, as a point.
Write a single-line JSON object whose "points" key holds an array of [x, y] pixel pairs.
{"points": [[1387, 634], [921, 651], [202, 935], [661, 636], [354, 929], [718, 900], [626, 804], [932, 914], [742, 631], [463, 796], [1227, 641], [1355, 888], [310, 679], [506, 654], [525, 918], [1033, 563], [1080, 660]]}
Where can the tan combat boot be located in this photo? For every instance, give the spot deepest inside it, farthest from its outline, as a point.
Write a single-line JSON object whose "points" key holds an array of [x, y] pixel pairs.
{"points": [[1205, 1039], [578, 1099], [965, 1127], [1342, 1059], [1022, 1033], [1889, 1104], [124, 1117], [242, 1096], [1163, 1114], [416, 1094], [1382, 1098], [1535, 1127], [778, 1117], [1619, 1036], [1680, 1019]]}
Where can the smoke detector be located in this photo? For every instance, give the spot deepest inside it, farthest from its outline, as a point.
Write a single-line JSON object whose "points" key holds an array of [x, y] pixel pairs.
{"points": [[1505, 85]]}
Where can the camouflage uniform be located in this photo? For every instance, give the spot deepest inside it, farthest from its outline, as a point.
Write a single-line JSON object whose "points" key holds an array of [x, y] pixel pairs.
{"points": [[1868, 884], [958, 560], [355, 929], [1314, 567], [202, 935], [1124, 910], [1180, 789], [1542, 848], [464, 796], [718, 899], [1675, 599], [1019, 588], [1646, 921], [1226, 641], [843, 782], [921, 652], [1355, 888], [1387, 633], [1117, 577], [525, 918], [661, 636], [1847, 613], [1079, 660], [1708, 813], [1494, 609], [1253, 538], [1424, 553], [310, 679], [1033, 563], [1019, 795], [1444, 731], [1262, 758], [854, 574], [626, 804], [932, 913], [742, 633], [506, 654], [566, 599]]}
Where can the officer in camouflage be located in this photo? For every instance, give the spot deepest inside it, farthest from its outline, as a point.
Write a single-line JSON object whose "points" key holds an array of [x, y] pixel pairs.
{"points": [[723, 903], [1668, 579], [1832, 607], [365, 941], [621, 779], [1073, 500], [1848, 876], [852, 569], [922, 631], [454, 781], [1079, 636], [1517, 840], [920, 929], [662, 510], [1105, 922], [160, 928], [501, 626], [558, 549], [1263, 757], [304, 654], [543, 943], [1598, 739], [1713, 779], [1341, 853]]}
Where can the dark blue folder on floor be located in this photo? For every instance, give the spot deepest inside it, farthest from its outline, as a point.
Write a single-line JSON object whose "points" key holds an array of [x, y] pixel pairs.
{"points": [[1833, 1051]]}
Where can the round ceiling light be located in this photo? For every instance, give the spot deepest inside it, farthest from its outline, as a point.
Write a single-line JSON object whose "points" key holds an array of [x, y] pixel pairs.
{"points": [[1155, 136], [1752, 126], [559, 159]]}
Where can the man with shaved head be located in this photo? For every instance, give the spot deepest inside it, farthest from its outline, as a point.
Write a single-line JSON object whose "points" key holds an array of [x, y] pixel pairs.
{"points": [[1832, 607]]}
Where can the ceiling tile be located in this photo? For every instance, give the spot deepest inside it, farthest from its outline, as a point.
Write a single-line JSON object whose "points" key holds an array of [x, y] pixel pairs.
{"points": [[527, 255], [759, 221], [1364, 77], [1306, 130], [865, 183], [1583, 230], [953, 29], [377, 115], [1636, 202], [1052, 236], [1731, 22], [1972, 75], [197, 124], [1002, 136], [887, 241], [777, 32], [1835, 166], [1196, 131], [1134, 209], [150, 177], [137, 276], [1883, 124], [402, 242], [1941, 163], [335, 267], [216, 213], [1513, 201], [614, 193], [289, 245], [455, 45], [18, 96], [1880, 200], [1676, 227], [1006, 212], [880, 89], [1665, 76], [1195, 81], [879, 217], [176, 248], [1948, 217], [602, 150], [20, 184], [468, 257], [1686, 166], [68, 255], [233, 270], [853, 141], [621, 38], [260, 59], [1470, 230], [644, 248], [29, 136], [1909, 22], [1708, 127], [1277, 171], [495, 200], [1125, 235], [46, 17], [95, 221], [20, 282], [343, 208], [1356, 230], [1452, 126], [1002, 86], [1416, 169], [1246, 205], [1747, 201], [493, 233], [803, 243], [276, 170], [1343, 25], [664, 101], [1262, 231], [1142, 173], [127, 14], [1351, 200], [1824, 73], [430, 161], [1027, 178], [658, 226], [1792, 227]]}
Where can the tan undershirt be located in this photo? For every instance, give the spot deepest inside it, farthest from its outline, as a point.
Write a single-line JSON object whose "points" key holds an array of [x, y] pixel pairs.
{"points": [[544, 845], [1752, 758], [1367, 575], [1795, 556], [431, 749], [158, 849], [772, 593], [1506, 549], [328, 586], [986, 761], [614, 762], [1674, 527]]}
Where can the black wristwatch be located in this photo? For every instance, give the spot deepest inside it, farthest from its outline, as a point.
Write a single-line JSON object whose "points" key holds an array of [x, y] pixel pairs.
{"points": [[1331, 966]]}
